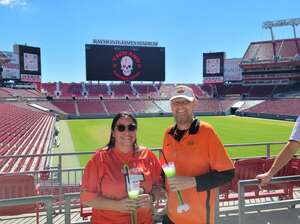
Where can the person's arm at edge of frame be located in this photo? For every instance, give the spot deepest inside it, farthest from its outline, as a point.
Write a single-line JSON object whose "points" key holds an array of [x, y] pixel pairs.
{"points": [[281, 160]]}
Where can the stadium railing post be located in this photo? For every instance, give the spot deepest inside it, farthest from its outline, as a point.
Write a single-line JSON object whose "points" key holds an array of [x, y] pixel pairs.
{"points": [[268, 150], [217, 206], [60, 181], [241, 202]]}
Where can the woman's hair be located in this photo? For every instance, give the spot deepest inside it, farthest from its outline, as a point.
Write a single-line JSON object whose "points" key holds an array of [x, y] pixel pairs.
{"points": [[112, 140]]}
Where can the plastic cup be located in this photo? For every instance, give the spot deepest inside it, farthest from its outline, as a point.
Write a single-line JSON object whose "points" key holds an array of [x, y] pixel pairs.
{"points": [[169, 169], [134, 190]]}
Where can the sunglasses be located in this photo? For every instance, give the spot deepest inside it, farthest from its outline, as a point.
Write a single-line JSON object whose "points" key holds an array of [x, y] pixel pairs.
{"points": [[122, 127]]}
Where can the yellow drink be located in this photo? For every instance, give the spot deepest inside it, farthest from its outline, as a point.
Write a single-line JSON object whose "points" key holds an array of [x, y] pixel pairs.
{"points": [[134, 194], [170, 171]]}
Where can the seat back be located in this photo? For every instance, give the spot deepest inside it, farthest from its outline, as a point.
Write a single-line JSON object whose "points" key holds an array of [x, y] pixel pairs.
{"points": [[247, 169], [14, 187], [284, 171]]}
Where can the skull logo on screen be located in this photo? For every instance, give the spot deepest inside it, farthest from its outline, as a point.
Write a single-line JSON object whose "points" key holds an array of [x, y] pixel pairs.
{"points": [[126, 65]]}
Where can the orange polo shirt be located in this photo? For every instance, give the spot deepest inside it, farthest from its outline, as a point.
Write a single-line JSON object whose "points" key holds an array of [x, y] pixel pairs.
{"points": [[198, 152], [104, 176]]}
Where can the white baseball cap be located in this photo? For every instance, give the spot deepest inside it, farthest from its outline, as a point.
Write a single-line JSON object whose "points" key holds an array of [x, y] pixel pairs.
{"points": [[182, 91]]}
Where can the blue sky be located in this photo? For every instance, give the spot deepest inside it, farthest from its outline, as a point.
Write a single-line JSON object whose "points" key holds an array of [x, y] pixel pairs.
{"points": [[187, 28]]}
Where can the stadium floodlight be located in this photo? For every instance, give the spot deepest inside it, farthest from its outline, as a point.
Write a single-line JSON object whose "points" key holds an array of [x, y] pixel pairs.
{"points": [[282, 22]]}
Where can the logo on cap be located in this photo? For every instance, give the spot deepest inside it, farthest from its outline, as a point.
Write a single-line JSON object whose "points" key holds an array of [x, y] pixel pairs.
{"points": [[180, 91], [183, 92]]}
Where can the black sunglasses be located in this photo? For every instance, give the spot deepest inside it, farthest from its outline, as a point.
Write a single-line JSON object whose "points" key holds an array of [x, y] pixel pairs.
{"points": [[130, 127]]}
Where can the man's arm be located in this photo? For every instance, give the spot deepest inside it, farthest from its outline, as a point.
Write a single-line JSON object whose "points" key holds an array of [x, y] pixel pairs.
{"points": [[203, 182], [213, 179], [281, 160]]}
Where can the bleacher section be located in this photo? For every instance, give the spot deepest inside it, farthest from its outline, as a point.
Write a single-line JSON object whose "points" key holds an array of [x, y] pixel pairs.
{"points": [[116, 106], [165, 90], [4, 92], [144, 106], [145, 90], [148, 98], [289, 107], [140, 106], [154, 91], [91, 107], [208, 89], [25, 93], [262, 53], [96, 90], [164, 105], [197, 90], [208, 106], [50, 106], [70, 89], [261, 91], [68, 106], [23, 132], [121, 90], [49, 88]]}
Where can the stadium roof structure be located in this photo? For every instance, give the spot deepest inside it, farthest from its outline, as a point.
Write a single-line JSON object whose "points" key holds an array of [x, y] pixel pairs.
{"points": [[270, 53]]}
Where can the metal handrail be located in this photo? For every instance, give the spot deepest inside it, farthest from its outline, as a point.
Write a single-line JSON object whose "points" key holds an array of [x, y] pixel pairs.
{"points": [[67, 198], [274, 204], [47, 200]]}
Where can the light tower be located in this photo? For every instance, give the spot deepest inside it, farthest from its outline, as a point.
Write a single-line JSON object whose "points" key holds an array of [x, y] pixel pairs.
{"points": [[283, 22]]}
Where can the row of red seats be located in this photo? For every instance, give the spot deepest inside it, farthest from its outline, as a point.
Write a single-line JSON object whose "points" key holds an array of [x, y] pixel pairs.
{"points": [[68, 90], [249, 168], [25, 132]]}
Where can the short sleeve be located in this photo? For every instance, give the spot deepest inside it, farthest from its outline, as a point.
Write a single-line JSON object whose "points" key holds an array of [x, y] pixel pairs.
{"points": [[219, 158], [295, 135], [93, 171]]}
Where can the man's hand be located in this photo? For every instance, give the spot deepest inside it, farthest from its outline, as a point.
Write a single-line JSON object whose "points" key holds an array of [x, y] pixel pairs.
{"points": [[126, 205], [264, 179], [179, 183]]}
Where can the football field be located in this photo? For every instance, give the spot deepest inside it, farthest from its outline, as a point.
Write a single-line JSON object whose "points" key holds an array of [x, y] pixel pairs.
{"points": [[91, 134]]}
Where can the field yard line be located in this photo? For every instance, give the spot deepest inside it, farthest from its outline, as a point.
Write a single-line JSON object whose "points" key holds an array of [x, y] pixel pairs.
{"points": [[66, 145]]}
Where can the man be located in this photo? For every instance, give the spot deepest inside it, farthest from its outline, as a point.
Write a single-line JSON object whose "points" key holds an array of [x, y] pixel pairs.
{"points": [[201, 161], [284, 156]]}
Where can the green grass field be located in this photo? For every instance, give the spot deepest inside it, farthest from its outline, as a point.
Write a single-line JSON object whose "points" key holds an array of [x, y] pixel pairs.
{"points": [[90, 134]]}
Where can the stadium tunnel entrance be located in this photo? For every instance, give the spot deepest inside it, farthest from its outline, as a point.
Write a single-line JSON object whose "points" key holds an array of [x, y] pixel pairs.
{"points": [[236, 106]]}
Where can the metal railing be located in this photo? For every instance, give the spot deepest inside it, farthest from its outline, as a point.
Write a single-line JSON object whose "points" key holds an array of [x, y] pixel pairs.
{"points": [[61, 176], [47, 200], [67, 198], [243, 207]]}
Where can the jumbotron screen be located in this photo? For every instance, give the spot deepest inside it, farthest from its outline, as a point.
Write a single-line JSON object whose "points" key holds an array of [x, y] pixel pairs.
{"points": [[213, 67], [30, 60], [124, 63]]}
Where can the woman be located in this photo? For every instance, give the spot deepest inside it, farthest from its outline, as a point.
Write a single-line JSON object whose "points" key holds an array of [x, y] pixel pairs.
{"points": [[108, 175]]}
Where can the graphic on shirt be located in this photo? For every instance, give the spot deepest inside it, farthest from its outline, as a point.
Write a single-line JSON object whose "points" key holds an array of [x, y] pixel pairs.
{"points": [[133, 175]]}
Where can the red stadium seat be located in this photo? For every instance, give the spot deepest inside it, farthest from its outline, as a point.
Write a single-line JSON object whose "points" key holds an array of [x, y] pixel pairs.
{"points": [[247, 169], [287, 170], [17, 186]]}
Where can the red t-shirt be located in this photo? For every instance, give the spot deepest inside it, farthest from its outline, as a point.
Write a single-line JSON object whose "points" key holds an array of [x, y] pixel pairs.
{"points": [[104, 176]]}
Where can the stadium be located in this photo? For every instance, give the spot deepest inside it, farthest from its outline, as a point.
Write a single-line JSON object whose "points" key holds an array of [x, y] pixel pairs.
{"points": [[50, 130]]}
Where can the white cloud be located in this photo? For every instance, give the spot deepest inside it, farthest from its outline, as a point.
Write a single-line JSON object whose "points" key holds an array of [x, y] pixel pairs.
{"points": [[13, 3]]}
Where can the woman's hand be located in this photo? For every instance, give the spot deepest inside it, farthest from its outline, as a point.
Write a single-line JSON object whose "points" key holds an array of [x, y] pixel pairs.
{"points": [[126, 205]]}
